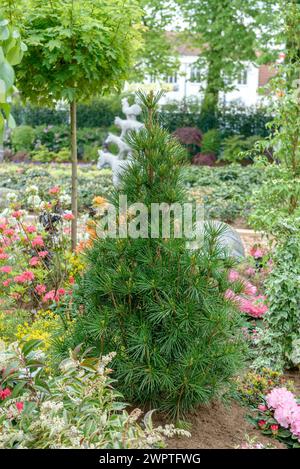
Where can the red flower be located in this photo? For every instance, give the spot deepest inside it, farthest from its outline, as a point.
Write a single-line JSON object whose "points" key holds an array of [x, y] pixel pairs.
{"points": [[20, 406], [17, 214], [5, 393], [54, 190], [274, 428], [262, 423]]}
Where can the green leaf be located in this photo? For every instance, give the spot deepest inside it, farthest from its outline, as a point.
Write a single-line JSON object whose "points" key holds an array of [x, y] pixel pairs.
{"points": [[11, 122], [30, 345], [14, 55], [7, 74]]}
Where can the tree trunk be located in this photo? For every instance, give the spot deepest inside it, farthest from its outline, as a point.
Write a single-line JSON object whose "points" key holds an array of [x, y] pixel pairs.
{"points": [[74, 172], [211, 95]]}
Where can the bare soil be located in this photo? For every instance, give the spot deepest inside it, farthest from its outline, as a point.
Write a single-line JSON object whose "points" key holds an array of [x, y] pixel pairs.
{"points": [[219, 427]]}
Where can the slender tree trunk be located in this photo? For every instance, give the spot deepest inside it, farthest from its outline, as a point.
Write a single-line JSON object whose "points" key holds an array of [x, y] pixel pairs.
{"points": [[74, 172], [211, 95]]}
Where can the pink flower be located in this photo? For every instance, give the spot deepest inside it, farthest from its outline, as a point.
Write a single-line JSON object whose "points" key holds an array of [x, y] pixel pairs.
{"points": [[34, 261], [61, 291], [230, 295], [250, 271], [3, 256], [9, 232], [27, 276], [49, 296], [280, 397], [274, 428], [249, 289], [71, 280], [257, 252], [17, 214], [43, 253], [54, 190], [5, 393], [6, 282], [262, 408], [40, 289], [262, 423], [30, 229], [6, 269], [20, 406], [38, 241], [68, 216], [233, 276]]}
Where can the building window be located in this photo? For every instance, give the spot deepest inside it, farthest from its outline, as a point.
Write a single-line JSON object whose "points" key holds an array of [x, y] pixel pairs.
{"points": [[195, 74], [243, 77], [171, 78]]}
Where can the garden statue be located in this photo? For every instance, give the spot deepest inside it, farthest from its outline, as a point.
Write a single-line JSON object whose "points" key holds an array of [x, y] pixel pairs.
{"points": [[116, 162], [131, 112], [117, 165], [124, 148], [126, 125], [229, 239]]}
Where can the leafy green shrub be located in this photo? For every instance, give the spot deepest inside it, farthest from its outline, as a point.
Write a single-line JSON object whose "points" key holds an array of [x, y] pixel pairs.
{"points": [[279, 345], [43, 155], [211, 142], [162, 308], [77, 408], [22, 138], [63, 155], [235, 147]]}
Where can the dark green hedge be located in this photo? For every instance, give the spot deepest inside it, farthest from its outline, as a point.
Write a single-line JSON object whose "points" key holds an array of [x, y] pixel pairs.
{"points": [[230, 120]]}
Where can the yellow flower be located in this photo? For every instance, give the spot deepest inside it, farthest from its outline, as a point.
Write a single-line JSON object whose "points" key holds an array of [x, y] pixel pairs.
{"points": [[99, 200]]}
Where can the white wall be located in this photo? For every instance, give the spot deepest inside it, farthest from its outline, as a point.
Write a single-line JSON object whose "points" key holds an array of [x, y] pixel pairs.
{"points": [[244, 93]]}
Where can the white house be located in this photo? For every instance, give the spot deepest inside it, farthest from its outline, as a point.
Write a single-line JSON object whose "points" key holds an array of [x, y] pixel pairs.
{"points": [[185, 83]]}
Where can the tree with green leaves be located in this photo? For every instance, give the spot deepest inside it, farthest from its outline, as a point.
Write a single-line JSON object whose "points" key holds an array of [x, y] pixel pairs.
{"points": [[11, 53], [76, 50], [159, 306], [228, 32], [158, 56]]}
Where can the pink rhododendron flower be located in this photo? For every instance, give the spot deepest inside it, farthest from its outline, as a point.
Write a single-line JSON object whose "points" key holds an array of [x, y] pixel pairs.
{"points": [[54, 190], [68, 216], [72, 281], [30, 229], [43, 253], [3, 226], [3, 256], [5, 393], [38, 241], [20, 406], [6, 269], [233, 276], [280, 397], [61, 291], [40, 289], [274, 428], [34, 261]]}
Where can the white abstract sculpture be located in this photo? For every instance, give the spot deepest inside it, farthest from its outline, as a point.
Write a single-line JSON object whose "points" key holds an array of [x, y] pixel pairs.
{"points": [[131, 112], [124, 149], [118, 162], [126, 125], [117, 166]]}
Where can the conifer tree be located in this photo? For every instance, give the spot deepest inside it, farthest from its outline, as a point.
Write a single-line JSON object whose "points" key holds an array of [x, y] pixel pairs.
{"points": [[159, 306]]}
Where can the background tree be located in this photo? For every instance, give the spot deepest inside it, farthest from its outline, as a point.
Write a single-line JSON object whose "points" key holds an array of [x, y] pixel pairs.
{"points": [[76, 50], [228, 32], [158, 56]]}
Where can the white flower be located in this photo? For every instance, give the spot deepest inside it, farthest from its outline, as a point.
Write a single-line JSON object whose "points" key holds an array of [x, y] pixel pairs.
{"points": [[11, 197], [32, 190], [34, 200]]}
